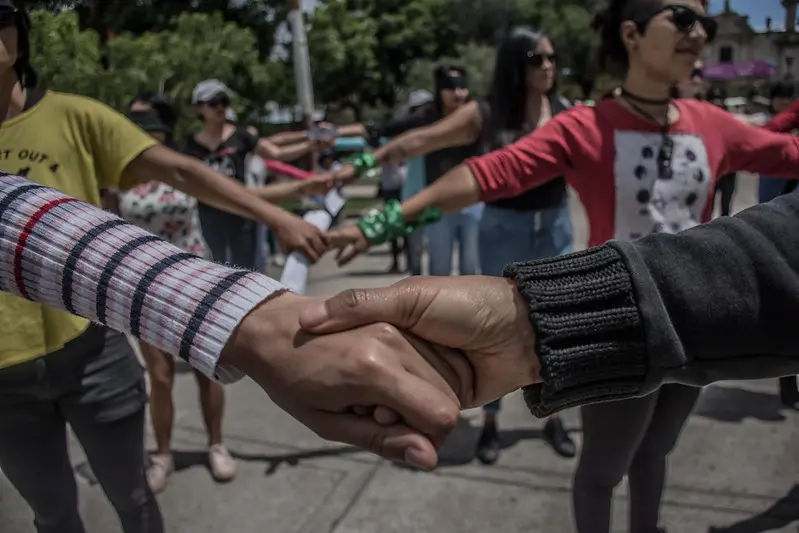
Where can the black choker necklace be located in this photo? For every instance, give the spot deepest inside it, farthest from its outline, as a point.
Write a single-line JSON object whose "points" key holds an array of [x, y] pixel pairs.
{"points": [[647, 101]]}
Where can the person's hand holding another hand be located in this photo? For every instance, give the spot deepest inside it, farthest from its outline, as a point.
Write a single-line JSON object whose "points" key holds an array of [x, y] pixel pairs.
{"points": [[349, 242], [297, 235], [367, 387], [482, 318]]}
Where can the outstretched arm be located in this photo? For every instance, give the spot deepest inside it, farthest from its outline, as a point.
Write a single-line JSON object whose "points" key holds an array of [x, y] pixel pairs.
{"points": [[716, 302], [64, 253]]}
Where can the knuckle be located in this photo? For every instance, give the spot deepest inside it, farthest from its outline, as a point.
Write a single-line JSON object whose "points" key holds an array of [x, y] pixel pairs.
{"points": [[444, 417], [352, 299]]}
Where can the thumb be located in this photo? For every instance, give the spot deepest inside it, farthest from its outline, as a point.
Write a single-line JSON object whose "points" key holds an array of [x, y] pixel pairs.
{"points": [[353, 308], [396, 442]]}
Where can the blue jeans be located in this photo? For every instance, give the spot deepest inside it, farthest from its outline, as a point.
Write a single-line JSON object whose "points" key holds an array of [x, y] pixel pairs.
{"points": [[510, 236], [462, 226]]}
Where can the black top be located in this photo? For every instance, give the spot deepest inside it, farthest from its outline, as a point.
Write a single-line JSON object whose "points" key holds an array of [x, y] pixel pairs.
{"points": [[716, 302], [229, 159], [436, 163], [551, 194]]}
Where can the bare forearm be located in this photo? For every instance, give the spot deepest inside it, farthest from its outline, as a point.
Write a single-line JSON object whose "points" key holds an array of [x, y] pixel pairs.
{"points": [[352, 130], [288, 137], [404, 147], [217, 190], [453, 191], [276, 192], [292, 152]]}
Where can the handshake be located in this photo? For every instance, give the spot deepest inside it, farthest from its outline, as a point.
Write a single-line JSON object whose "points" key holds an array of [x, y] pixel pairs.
{"points": [[388, 370]]}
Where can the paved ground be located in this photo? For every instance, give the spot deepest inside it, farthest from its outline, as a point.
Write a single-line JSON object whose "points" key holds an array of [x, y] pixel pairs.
{"points": [[737, 463]]}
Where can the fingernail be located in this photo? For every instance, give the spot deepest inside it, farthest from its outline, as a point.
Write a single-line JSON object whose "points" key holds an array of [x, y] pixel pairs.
{"points": [[413, 457], [314, 316]]}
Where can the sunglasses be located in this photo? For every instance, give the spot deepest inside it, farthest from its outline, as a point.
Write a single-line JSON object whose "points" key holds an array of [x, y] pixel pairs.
{"points": [[536, 60], [685, 20], [218, 101], [697, 73], [8, 17]]}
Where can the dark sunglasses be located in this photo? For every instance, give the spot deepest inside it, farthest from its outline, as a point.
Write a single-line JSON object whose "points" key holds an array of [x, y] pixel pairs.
{"points": [[697, 73], [218, 101], [8, 17], [536, 60], [684, 19]]}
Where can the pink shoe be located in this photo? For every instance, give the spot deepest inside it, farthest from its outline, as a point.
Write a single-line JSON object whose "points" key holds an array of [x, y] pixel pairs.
{"points": [[161, 467], [223, 466]]}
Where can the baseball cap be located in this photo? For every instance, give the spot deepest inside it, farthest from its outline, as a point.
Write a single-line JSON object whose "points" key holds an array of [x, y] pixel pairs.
{"points": [[420, 97], [207, 89]]}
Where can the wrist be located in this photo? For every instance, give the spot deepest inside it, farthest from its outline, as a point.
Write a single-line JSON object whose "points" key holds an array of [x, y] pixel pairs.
{"points": [[273, 323], [530, 367]]}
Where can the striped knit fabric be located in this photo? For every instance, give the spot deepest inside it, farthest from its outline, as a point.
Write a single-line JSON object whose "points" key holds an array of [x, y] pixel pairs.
{"points": [[67, 254]]}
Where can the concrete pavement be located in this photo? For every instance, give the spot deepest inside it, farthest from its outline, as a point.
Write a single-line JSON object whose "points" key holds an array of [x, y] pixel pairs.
{"points": [[738, 458]]}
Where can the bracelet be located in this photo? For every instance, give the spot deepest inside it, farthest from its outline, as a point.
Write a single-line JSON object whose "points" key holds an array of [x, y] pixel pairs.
{"points": [[388, 224], [363, 164]]}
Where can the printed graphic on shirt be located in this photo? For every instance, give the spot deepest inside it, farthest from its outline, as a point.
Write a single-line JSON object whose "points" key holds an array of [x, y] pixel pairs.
{"points": [[26, 159], [222, 161], [647, 202]]}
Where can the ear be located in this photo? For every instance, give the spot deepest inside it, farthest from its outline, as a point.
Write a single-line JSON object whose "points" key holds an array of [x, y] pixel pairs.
{"points": [[629, 34]]}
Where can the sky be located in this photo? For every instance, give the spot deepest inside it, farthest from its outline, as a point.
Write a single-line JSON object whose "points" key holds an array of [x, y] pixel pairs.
{"points": [[757, 10]]}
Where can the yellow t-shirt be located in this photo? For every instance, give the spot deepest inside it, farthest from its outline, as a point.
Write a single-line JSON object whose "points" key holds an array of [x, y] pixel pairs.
{"points": [[78, 146]]}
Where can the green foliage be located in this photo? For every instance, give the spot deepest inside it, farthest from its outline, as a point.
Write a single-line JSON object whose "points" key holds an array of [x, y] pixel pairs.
{"points": [[199, 46]]}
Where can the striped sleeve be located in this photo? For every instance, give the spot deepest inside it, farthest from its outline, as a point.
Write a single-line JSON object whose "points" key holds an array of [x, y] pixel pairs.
{"points": [[64, 253]]}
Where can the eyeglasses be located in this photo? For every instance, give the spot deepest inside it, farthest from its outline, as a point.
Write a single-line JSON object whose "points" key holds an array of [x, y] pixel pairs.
{"points": [[684, 19], [697, 73], [536, 60], [8, 17], [218, 101]]}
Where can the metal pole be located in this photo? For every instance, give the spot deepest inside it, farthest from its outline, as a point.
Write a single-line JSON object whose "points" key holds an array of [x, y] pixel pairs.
{"points": [[302, 68]]}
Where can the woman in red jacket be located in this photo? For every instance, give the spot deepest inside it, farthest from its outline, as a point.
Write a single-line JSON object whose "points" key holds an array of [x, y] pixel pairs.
{"points": [[641, 163]]}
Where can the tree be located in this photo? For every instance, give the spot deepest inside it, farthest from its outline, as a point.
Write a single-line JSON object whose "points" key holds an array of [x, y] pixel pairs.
{"points": [[361, 50], [198, 47]]}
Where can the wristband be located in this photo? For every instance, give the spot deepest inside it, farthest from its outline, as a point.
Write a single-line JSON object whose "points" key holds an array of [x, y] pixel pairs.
{"points": [[363, 164], [389, 224]]}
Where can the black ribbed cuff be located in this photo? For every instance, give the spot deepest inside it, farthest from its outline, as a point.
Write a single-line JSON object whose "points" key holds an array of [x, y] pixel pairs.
{"points": [[589, 335]]}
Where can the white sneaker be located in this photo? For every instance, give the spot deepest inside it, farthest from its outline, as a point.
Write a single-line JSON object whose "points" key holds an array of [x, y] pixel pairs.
{"points": [[161, 467], [223, 466]]}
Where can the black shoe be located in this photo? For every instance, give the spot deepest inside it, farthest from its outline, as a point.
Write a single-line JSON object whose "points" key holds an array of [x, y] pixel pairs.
{"points": [[555, 435], [488, 446], [789, 394]]}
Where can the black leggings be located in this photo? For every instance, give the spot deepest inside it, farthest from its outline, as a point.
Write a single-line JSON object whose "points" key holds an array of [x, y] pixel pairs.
{"points": [[631, 437]]}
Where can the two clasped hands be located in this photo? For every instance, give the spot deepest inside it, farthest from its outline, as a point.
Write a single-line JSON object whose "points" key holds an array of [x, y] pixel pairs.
{"points": [[389, 369]]}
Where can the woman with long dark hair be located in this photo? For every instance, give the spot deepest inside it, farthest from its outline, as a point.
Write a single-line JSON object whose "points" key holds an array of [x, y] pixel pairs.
{"points": [[642, 163], [532, 225]]}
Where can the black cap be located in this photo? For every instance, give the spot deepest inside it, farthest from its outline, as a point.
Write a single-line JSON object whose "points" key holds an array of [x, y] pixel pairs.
{"points": [[149, 120]]}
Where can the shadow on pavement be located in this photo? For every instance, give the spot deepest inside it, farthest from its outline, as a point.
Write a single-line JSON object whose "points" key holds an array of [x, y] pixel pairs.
{"points": [[461, 446], [189, 459], [782, 513], [731, 404]]}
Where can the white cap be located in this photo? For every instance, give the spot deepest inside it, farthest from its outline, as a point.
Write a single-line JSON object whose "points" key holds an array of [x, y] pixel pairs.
{"points": [[230, 115], [207, 89], [420, 97]]}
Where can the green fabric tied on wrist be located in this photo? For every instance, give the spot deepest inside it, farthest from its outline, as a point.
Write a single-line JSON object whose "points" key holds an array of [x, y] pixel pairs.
{"points": [[363, 164], [389, 224]]}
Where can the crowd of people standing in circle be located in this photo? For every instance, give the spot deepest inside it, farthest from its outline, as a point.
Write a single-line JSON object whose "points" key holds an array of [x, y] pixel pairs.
{"points": [[651, 150]]}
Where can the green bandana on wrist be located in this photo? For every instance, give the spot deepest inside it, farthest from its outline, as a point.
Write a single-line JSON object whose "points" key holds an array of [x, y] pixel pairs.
{"points": [[363, 164], [389, 224]]}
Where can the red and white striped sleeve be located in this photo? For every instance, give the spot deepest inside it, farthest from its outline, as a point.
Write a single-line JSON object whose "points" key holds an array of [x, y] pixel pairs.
{"points": [[64, 253]]}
